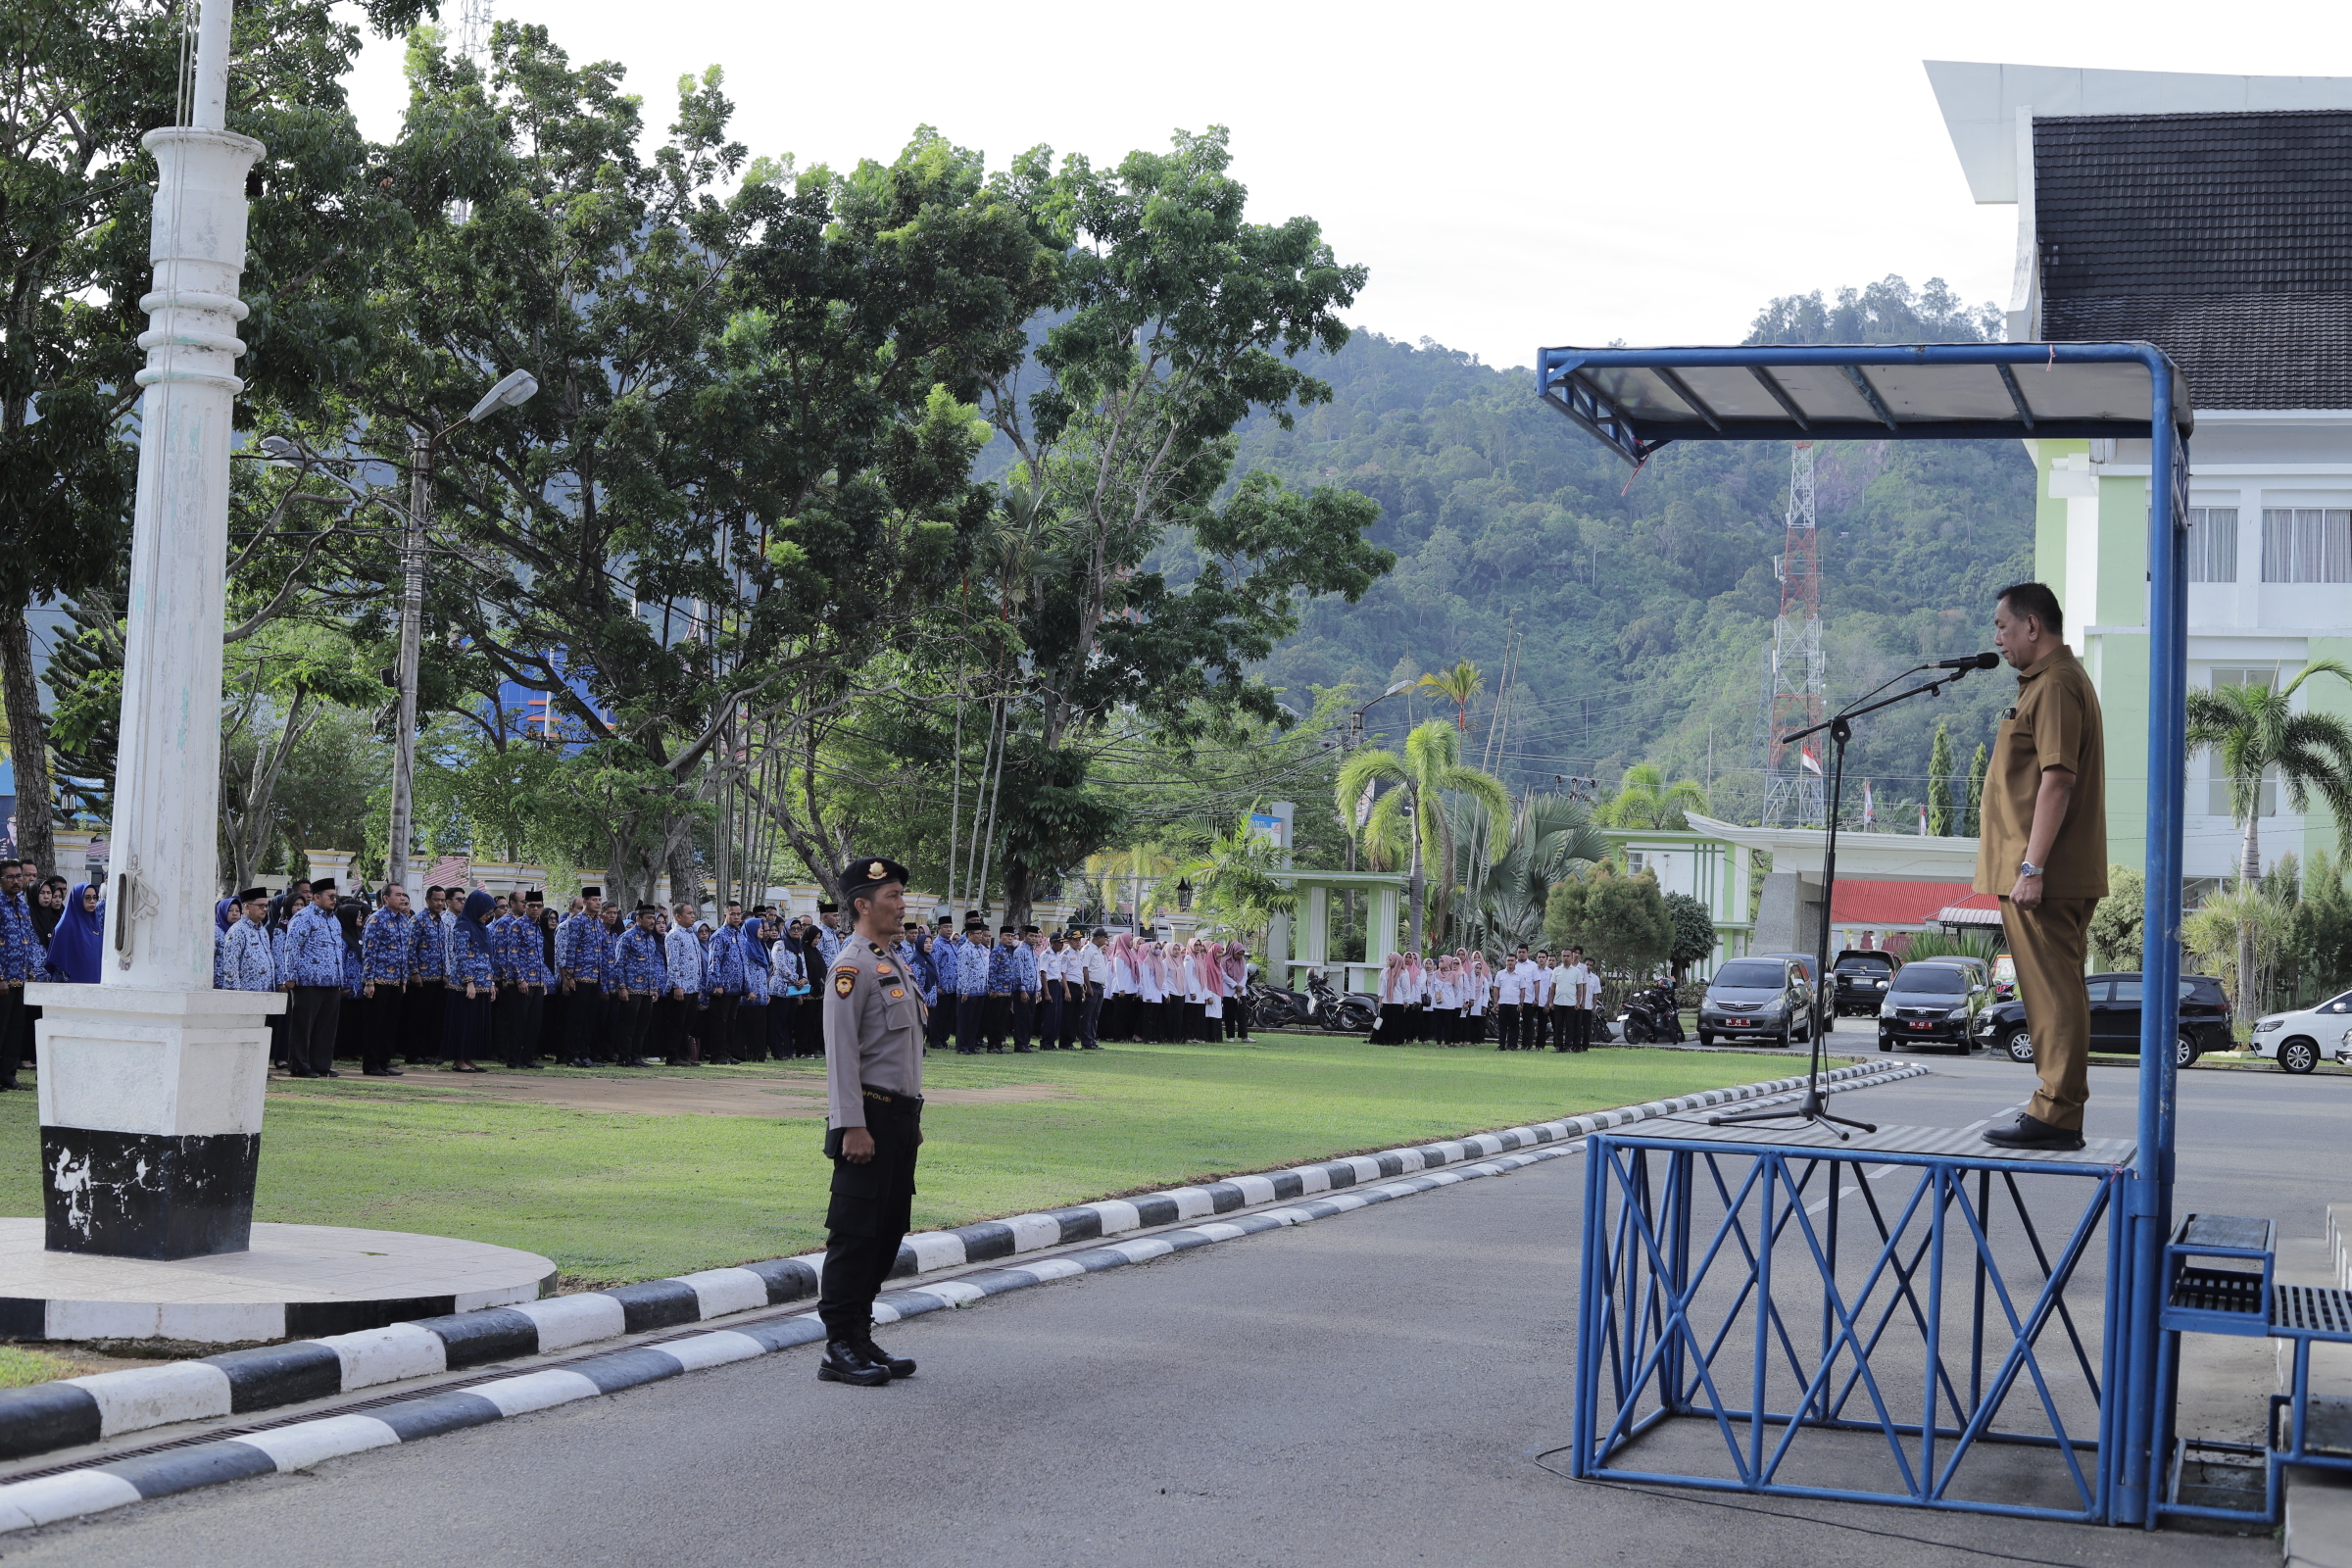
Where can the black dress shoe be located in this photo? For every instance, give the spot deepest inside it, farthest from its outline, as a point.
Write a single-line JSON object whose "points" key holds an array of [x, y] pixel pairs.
{"points": [[899, 1365], [2030, 1133], [847, 1362]]}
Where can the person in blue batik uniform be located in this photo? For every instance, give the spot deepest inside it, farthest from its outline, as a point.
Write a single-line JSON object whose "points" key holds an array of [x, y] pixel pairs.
{"points": [[971, 985], [940, 1026], [518, 969], [603, 937], [311, 967], [465, 1020], [827, 935], [750, 1017], [722, 982], [579, 961], [387, 954], [354, 979], [242, 958], [1025, 983], [641, 970], [428, 980], [680, 1026]]}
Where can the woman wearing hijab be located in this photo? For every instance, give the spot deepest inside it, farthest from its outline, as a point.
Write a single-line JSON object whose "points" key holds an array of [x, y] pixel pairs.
{"points": [[75, 945], [350, 922], [552, 1001], [787, 989], [466, 1011], [48, 907], [1480, 988], [1207, 1014], [1387, 1027]]}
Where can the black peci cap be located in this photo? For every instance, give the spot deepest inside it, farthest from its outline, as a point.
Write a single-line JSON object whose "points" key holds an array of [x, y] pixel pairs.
{"points": [[325, 884], [592, 892], [534, 897], [866, 875], [835, 908], [1005, 931], [251, 894]]}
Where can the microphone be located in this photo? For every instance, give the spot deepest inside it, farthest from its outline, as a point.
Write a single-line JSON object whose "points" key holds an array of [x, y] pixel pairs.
{"points": [[1968, 661]]}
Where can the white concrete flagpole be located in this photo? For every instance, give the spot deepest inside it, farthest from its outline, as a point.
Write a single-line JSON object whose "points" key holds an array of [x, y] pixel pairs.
{"points": [[151, 1083]]}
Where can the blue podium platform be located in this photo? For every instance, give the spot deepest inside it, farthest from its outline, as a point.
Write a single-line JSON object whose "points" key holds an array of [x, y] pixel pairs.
{"points": [[1889, 1318]]}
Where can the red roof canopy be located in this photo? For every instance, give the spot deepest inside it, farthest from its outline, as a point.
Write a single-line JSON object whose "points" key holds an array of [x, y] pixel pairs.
{"points": [[1892, 904]]}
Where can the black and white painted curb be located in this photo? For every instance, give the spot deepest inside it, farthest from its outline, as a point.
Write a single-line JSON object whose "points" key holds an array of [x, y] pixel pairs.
{"points": [[253, 1380]]}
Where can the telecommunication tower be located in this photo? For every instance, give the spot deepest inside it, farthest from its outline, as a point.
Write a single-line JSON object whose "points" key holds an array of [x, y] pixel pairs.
{"points": [[473, 27], [1794, 792]]}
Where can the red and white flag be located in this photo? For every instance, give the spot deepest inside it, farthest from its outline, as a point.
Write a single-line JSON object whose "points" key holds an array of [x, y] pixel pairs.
{"points": [[1811, 763], [1870, 804]]}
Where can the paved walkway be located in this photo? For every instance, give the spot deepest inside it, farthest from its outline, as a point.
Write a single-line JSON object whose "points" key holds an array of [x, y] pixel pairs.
{"points": [[1375, 1390]]}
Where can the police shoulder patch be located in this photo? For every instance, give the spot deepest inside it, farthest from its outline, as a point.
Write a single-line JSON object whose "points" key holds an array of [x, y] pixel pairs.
{"points": [[845, 980]]}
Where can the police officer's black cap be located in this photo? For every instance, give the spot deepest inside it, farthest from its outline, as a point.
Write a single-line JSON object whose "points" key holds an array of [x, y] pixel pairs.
{"points": [[866, 875], [251, 894], [325, 884]]}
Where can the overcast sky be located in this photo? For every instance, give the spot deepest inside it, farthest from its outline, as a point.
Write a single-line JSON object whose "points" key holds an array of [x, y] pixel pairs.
{"points": [[1514, 174]]}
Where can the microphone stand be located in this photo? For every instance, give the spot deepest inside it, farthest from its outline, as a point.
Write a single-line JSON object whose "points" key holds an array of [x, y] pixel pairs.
{"points": [[1814, 1107]]}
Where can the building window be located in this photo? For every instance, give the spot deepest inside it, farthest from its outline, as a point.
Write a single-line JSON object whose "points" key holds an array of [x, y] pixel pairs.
{"points": [[2213, 544], [2305, 543]]}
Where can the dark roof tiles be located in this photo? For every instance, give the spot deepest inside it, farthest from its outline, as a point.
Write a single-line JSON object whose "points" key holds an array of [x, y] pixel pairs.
{"points": [[2224, 239]]}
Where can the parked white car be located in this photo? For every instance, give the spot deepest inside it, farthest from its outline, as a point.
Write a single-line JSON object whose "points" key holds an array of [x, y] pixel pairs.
{"points": [[2299, 1041]]}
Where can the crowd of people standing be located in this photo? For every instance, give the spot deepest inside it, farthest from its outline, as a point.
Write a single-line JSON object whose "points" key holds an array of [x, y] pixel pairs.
{"points": [[1451, 999]]}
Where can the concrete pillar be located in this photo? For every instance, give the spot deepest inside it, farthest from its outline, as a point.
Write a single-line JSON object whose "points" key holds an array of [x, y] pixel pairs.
{"points": [[151, 1088], [1316, 951], [1278, 950]]}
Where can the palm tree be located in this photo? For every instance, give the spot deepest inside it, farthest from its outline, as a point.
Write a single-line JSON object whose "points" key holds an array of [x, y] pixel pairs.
{"points": [[1411, 822], [1553, 838], [1459, 686], [1644, 799], [2256, 732]]}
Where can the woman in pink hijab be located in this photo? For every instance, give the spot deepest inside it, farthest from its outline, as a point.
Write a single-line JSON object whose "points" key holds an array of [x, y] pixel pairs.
{"points": [[1118, 992], [1208, 961], [1474, 1010]]}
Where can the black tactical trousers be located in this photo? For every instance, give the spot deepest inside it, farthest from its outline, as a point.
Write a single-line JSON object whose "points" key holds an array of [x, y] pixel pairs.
{"points": [[871, 1208]]}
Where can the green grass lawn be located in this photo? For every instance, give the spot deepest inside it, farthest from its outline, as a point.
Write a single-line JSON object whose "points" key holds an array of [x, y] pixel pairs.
{"points": [[623, 1197]]}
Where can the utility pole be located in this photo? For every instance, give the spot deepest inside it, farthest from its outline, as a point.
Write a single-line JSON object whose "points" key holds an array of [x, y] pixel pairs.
{"points": [[516, 387]]}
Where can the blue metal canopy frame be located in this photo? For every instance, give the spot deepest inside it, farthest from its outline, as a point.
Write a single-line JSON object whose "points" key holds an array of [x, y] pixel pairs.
{"points": [[1635, 401]]}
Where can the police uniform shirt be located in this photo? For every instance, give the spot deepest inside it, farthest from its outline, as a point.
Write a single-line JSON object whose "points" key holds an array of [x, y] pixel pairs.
{"points": [[873, 1030]]}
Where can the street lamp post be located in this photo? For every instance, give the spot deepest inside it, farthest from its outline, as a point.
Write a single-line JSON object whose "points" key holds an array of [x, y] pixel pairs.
{"points": [[515, 388]]}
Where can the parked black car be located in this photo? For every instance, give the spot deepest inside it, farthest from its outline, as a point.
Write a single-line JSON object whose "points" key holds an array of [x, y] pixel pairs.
{"points": [[1931, 1003], [1862, 974], [2115, 1019]]}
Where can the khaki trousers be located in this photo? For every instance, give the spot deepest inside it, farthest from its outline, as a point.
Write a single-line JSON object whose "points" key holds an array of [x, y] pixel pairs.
{"points": [[2048, 943]]}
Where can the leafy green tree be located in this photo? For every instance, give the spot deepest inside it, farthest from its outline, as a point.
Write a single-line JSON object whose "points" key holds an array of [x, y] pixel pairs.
{"points": [[1459, 686], [1940, 783], [2322, 942], [1504, 897], [1622, 922], [1693, 932], [1973, 808], [2256, 735], [81, 82], [1179, 319], [2117, 924], [1644, 799], [1411, 823], [278, 685]]}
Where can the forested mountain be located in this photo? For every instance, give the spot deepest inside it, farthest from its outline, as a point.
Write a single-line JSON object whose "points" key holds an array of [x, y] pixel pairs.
{"points": [[1647, 599]]}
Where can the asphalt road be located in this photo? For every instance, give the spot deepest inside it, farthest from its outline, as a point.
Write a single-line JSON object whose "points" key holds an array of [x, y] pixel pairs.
{"points": [[1376, 1387]]}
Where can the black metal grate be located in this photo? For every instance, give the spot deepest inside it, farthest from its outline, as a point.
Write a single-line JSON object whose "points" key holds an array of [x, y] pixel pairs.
{"points": [[2319, 1311], [2213, 1289]]}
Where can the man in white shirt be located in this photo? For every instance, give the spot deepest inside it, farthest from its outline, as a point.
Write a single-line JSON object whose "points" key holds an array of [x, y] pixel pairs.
{"points": [[1093, 977], [1582, 989], [1536, 1022], [1506, 1004]]}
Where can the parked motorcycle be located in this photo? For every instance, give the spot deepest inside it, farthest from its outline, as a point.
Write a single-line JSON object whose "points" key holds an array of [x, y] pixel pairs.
{"points": [[1350, 1012], [1652, 1016], [1273, 1007]]}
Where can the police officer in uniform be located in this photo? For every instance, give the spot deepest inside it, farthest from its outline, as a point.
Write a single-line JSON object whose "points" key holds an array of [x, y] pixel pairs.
{"points": [[874, 1091]]}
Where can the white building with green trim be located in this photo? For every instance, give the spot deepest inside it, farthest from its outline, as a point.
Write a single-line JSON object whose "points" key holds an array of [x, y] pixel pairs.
{"points": [[2211, 215]]}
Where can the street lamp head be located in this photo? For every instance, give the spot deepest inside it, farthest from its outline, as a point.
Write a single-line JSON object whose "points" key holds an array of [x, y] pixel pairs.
{"points": [[277, 446], [516, 387], [1394, 687]]}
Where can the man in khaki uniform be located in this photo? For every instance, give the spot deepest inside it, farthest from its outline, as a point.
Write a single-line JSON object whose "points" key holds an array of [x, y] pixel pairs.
{"points": [[874, 1114], [2044, 849]]}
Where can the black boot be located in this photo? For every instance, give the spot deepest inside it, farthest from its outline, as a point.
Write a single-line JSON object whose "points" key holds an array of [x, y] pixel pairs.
{"points": [[846, 1361], [899, 1365]]}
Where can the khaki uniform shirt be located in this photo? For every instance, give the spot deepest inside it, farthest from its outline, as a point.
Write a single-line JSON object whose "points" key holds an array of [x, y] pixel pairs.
{"points": [[873, 1030], [2056, 724]]}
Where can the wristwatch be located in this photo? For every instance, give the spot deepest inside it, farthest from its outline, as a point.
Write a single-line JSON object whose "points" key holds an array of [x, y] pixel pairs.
{"points": [[2027, 869]]}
